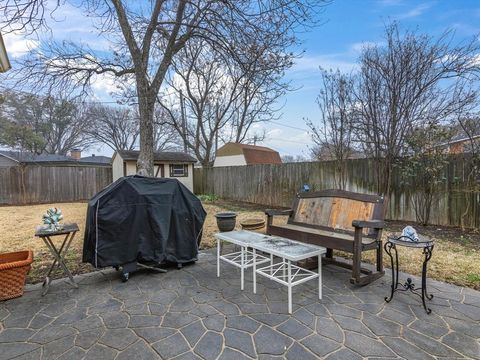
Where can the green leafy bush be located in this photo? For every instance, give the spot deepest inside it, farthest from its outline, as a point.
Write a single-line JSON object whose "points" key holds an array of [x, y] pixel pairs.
{"points": [[208, 197]]}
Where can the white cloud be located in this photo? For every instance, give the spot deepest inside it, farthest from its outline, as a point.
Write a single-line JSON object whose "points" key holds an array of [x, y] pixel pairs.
{"points": [[286, 141], [329, 61], [390, 2], [106, 83], [359, 46], [415, 12], [17, 45]]}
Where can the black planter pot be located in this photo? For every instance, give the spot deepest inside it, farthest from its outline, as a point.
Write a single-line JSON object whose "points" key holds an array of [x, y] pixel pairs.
{"points": [[226, 221]]}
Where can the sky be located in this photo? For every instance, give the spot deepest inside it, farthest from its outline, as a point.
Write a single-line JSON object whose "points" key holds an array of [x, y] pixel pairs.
{"points": [[345, 26]]}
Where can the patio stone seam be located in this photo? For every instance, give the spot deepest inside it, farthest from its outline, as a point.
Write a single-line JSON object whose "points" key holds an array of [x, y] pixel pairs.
{"points": [[30, 352], [430, 338], [344, 347]]}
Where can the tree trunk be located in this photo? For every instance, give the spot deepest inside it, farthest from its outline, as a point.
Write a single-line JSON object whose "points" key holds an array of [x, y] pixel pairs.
{"points": [[146, 107]]}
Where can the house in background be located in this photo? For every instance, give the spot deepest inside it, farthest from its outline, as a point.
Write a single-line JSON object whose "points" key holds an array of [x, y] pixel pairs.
{"points": [[236, 154], [167, 164], [4, 62], [460, 145], [10, 158]]}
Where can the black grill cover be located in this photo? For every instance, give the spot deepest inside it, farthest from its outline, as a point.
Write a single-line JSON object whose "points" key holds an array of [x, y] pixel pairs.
{"points": [[143, 219]]}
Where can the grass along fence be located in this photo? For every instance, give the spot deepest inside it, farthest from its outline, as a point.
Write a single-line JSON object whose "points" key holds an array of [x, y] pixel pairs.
{"points": [[274, 186], [33, 184]]}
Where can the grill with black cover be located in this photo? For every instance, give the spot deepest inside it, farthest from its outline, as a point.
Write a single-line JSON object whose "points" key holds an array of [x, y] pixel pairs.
{"points": [[143, 220]]}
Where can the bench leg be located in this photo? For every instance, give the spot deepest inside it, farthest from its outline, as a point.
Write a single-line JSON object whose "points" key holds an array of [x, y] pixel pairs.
{"points": [[357, 255], [329, 254], [380, 257]]}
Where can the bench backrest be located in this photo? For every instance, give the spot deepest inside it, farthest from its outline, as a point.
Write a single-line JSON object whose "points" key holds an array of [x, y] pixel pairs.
{"points": [[335, 209]]}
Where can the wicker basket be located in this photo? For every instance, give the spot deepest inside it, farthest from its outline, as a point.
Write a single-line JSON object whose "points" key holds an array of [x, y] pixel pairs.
{"points": [[14, 267]]}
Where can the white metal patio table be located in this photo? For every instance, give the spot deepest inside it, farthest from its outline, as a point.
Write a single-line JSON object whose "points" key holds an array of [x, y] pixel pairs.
{"points": [[289, 251], [242, 259]]}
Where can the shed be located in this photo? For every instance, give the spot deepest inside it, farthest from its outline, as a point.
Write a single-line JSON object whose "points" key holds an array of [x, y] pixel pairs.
{"points": [[167, 164], [236, 154]]}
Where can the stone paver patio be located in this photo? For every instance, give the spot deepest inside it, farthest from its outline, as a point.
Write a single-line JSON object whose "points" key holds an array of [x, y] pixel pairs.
{"points": [[190, 314]]}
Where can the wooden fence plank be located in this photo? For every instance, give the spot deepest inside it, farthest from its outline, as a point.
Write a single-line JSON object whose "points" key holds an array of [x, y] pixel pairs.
{"points": [[274, 185], [35, 184]]}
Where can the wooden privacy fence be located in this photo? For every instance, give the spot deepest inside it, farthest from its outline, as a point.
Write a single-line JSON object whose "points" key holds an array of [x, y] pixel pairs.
{"points": [[33, 184], [274, 186]]}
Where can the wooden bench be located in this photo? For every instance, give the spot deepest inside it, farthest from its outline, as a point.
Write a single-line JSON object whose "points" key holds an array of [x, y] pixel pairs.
{"points": [[337, 220]]}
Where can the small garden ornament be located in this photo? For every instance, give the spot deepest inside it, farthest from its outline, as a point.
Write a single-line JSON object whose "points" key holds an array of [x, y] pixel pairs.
{"points": [[52, 218], [409, 234]]}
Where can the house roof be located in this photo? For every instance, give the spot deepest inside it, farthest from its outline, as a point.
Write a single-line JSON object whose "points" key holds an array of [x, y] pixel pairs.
{"points": [[96, 159], [26, 157], [253, 154], [29, 158], [167, 156], [463, 138], [4, 62]]}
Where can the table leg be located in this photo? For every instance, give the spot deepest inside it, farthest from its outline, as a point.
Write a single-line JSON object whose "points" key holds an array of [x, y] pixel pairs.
{"points": [[242, 264], [289, 274], [218, 257], [320, 277], [58, 257], [388, 249], [427, 251], [68, 240], [271, 263], [254, 271]]}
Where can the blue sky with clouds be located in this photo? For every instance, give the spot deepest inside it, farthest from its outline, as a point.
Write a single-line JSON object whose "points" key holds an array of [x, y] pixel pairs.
{"points": [[336, 44], [346, 25]]}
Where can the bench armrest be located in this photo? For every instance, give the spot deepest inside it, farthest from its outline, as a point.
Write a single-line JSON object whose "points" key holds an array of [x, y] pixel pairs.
{"points": [[273, 212], [373, 224]]}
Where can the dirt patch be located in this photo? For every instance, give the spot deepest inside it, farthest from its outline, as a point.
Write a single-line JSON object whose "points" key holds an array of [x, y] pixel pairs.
{"points": [[456, 256]]}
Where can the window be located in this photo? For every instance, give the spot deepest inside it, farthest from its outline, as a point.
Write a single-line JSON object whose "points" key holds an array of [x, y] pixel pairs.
{"points": [[178, 170]]}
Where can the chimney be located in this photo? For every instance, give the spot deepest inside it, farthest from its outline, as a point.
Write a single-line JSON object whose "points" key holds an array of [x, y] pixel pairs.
{"points": [[76, 154]]}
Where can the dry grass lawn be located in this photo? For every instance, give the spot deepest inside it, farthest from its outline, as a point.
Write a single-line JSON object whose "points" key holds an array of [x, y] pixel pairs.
{"points": [[456, 256]]}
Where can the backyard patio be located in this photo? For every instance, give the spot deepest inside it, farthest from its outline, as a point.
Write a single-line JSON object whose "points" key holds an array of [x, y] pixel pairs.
{"points": [[190, 313]]}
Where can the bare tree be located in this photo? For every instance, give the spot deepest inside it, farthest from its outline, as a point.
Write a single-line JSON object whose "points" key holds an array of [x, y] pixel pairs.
{"points": [[213, 99], [46, 124], [260, 87], [411, 79], [116, 127], [165, 137], [146, 37], [292, 158], [334, 132], [200, 100]]}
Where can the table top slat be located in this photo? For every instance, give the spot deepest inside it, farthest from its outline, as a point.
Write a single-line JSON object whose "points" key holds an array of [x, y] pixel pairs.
{"points": [[43, 230]]}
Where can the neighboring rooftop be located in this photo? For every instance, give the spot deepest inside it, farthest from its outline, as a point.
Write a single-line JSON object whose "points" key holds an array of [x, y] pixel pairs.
{"points": [[253, 154], [29, 158], [97, 159], [168, 156]]}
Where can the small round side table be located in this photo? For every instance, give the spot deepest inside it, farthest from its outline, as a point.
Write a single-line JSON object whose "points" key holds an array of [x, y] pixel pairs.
{"points": [[425, 243]]}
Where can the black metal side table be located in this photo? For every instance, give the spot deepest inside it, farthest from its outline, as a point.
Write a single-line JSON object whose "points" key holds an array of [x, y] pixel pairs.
{"points": [[43, 232], [424, 243]]}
